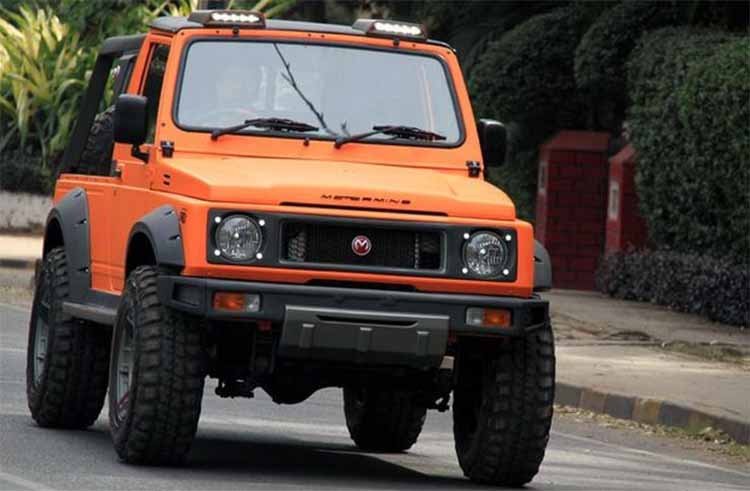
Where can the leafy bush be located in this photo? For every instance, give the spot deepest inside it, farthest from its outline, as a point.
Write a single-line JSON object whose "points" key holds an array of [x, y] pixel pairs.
{"points": [[24, 172], [527, 75], [603, 51], [714, 113], [43, 76], [715, 288], [689, 124], [527, 78]]}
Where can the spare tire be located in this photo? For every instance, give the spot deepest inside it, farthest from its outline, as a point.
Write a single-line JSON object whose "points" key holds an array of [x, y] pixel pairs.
{"points": [[96, 159]]}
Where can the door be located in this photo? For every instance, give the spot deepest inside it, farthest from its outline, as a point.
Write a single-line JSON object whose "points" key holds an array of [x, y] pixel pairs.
{"points": [[132, 198]]}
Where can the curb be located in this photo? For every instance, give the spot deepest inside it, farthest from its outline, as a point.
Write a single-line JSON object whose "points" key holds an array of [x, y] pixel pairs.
{"points": [[18, 263], [649, 411]]}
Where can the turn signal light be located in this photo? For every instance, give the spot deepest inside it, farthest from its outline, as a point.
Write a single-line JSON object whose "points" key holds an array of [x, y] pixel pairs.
{"points": [[236, 302], [476, 316]]}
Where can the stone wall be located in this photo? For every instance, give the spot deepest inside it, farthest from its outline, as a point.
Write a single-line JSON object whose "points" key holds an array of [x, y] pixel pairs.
{"points": [[23, 212]]}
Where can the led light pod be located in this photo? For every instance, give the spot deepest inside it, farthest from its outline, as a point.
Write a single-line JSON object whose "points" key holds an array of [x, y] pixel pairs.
{"points": [[228, 18], [389, 28]]}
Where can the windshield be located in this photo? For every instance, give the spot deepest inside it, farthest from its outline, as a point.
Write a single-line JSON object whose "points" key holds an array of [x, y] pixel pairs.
{"points": [[339, 90]]}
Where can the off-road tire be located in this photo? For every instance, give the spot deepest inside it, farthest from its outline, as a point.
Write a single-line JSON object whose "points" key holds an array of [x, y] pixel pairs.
{"points": [[157, 423], [502, 416], [69, 391], [383, 420], [96, 158]]}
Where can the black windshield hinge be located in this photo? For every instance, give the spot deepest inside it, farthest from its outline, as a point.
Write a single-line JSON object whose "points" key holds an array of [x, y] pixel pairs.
{"points": [[474, 168], [167, 148]]}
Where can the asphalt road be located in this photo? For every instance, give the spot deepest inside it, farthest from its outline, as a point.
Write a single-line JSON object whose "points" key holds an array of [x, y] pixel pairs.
{"points": [[256, 444]]}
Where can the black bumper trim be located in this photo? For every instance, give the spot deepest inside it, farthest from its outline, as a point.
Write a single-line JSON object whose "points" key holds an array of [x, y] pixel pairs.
{"points": [[194, 296]]}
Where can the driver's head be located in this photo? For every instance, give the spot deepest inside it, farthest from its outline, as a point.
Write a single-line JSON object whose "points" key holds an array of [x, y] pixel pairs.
{"points": [[237, 86]]}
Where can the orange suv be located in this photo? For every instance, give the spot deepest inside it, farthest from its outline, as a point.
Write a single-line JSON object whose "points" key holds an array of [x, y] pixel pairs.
{"points": [[290, 206]]}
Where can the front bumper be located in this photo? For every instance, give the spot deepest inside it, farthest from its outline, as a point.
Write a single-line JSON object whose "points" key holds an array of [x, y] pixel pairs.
{"points": [[351, 324]]}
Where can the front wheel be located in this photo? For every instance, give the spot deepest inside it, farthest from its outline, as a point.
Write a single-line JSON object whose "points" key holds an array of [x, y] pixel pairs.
{"points": [[502, 409], [157, 374]]}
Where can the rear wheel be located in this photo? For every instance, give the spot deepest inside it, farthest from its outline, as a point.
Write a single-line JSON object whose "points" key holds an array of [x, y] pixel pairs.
{"points": [[383, 420], [157, 375], [502, 410], [66, 368]]}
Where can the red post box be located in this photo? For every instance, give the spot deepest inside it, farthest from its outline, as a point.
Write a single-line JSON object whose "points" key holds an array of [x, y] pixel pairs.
{"points": [[626, 227], [571, 205]]}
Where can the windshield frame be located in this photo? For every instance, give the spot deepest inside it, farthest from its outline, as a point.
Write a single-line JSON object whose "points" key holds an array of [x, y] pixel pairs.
{"points": [[319, 137]]}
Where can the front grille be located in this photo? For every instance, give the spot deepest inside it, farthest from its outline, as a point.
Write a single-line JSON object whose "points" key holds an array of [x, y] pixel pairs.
{"points": [[332, 244]]}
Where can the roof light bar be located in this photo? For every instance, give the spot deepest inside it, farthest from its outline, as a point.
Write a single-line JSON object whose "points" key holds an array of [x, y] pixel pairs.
{"points": [[228, 18], [388, 28]]}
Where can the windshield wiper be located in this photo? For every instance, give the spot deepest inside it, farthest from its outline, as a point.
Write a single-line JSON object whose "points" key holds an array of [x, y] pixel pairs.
{"points": [[407, 132], [278, 124]]}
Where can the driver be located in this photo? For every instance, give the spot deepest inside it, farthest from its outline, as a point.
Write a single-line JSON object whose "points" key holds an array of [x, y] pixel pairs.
{"points": [[236, 95]]}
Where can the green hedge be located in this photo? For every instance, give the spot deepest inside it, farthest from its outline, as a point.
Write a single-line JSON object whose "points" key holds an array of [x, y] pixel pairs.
{"points": [[714, 114], [697, 284], [527, 75], [24, 172], [526, 78], [603, 51], [689, 123]]}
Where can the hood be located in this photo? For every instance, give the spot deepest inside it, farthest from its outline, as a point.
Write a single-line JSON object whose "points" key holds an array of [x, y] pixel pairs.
{"points": [[339, 184]]}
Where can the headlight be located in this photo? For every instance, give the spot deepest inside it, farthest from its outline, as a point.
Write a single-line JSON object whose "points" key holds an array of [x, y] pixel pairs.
{"points": [[486, 255], [238, 238]]}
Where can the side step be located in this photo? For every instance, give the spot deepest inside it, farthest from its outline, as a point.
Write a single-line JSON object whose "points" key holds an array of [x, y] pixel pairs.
{"points": [[93, 313]]}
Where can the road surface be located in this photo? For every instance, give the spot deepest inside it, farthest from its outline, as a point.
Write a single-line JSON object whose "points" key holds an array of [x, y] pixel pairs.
{"points": [[256, 444]]}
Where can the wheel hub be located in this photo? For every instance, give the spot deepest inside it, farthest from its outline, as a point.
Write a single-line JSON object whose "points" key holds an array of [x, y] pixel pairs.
{"points": [[124, 374], [41, 334]]}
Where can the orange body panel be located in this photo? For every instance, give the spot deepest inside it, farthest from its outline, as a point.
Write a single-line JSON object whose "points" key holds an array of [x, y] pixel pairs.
{"points": [[266, 174]]}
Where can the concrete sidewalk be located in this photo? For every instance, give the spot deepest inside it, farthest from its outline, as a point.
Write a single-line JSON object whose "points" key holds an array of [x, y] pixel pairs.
{"points": [[611, 359]]}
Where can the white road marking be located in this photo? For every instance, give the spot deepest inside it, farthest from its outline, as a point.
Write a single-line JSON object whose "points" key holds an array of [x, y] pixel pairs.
{"points": [[646, 453], [22, 483], [14, 350]]}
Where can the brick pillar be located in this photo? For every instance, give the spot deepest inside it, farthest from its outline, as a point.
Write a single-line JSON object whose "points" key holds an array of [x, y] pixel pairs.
{"points": [[571, 205], [626, 228]]}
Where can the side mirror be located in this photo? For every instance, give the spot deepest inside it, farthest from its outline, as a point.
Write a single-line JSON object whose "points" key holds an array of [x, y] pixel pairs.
{"points": [[493, 140], [131, 122]]}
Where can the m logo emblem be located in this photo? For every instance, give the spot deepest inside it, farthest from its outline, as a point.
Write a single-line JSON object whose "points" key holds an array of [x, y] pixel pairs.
{"points": [[361, 245]]}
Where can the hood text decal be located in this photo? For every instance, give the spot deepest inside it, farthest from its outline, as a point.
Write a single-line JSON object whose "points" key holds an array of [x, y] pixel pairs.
{"points": [[365, 199]]}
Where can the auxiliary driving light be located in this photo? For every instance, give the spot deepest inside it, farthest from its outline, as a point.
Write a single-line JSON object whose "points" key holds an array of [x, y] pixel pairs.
{"points": [[376, 27], [481, 317], [229, 18], [236, 302]]}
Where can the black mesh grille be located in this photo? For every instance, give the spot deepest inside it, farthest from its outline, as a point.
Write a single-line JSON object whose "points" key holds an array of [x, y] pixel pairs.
{"points": [[332, 244]]}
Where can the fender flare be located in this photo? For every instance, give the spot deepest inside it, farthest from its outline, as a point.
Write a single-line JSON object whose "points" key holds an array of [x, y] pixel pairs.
{"points": [[72, 216], [542, 268], [161, 227]]}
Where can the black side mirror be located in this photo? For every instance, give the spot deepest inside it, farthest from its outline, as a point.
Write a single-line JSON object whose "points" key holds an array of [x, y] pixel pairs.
{"points": [[131, 122], [493, 140]]}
